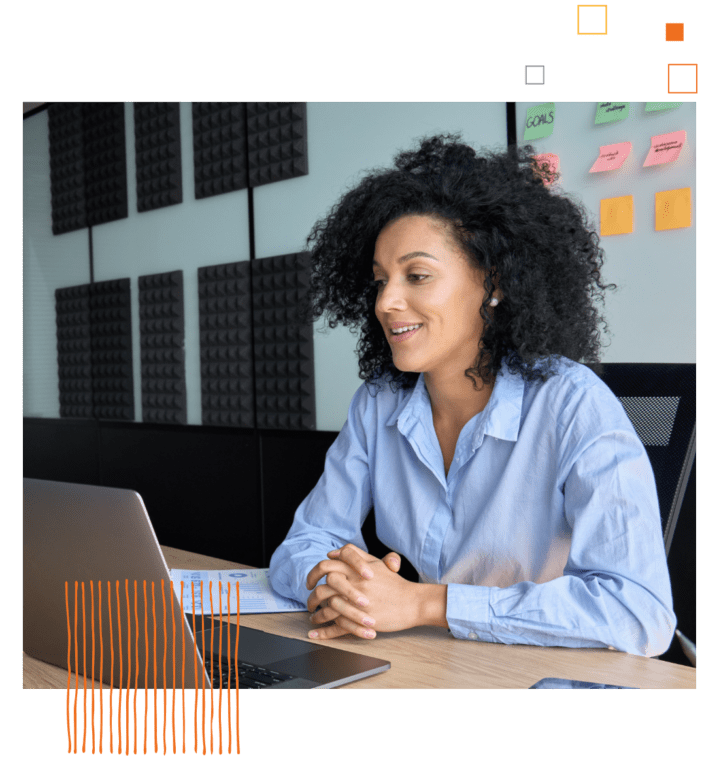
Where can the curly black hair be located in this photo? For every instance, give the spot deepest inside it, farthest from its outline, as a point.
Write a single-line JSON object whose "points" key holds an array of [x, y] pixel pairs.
{"points": [[534, 244]]}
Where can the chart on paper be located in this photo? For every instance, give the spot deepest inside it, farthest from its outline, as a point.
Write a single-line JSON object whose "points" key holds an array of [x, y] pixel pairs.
{"points": [[256, 593]]}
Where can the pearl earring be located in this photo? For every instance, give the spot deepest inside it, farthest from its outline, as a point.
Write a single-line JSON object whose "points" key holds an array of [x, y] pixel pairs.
{"points": [[494, 302]]}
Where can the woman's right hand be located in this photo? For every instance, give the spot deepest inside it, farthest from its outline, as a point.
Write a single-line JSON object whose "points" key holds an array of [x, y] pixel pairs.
{"points": [[338, 587]]}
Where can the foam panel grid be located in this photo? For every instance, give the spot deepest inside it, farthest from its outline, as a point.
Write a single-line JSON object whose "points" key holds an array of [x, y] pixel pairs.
{"points": [[95, 350], [226, 345], [220, 154], [283, 361], [284, 349], [162, 348], [88, 174], [277, 141], [157, 155]]}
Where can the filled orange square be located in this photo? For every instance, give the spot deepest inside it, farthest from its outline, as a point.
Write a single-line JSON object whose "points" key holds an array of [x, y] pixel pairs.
{"points": [[674, 32], [616, 215]]}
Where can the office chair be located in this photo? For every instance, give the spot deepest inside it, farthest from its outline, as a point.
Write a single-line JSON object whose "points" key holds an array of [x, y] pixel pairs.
{"points": [[660, 400]]}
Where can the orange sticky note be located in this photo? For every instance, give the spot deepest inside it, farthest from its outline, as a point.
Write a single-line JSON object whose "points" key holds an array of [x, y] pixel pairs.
{"points": [[665, 148], [616, 215], [673, 209], [611, 156]]}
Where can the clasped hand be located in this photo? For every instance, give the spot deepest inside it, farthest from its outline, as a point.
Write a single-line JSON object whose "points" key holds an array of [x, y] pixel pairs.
{"points": [[363, 595]]}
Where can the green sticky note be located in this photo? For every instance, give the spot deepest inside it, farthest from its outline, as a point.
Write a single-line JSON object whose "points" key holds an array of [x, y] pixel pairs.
{"points": [[611, 111], [656, 106], [540, 122]]}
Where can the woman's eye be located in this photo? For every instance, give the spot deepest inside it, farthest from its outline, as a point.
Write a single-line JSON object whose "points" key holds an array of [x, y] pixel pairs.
{"points": [[417, 278], [377, 283]]}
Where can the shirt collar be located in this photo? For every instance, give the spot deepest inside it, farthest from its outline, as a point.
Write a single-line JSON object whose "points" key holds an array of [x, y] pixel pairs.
{"points": [[500, 418]]}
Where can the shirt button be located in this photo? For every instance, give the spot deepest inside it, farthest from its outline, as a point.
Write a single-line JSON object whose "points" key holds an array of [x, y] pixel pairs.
{"points": [[472, 636]]}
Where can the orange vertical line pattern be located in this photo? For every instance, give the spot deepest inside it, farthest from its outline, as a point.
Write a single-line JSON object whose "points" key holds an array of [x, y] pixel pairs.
{"points": [[172, 605], [194, 645], [69, 665], [74, 722], [154, 657], [204, 675], [92, 671], [129, 668], [102, 667], [119, 687], [219, 659], [212, 667], [137, 668], [112, 654], [164, 669], [229, 669], [182, 592], [237, 677], [147, 660], [84, 672]]}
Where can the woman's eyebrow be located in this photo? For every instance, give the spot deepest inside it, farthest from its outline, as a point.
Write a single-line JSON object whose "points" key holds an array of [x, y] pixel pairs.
{"points": [[408, 256]]}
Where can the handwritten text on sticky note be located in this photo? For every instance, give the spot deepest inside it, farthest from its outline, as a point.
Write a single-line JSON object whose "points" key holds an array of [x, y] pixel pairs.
{"points": [[611, 156], [665, 148]]}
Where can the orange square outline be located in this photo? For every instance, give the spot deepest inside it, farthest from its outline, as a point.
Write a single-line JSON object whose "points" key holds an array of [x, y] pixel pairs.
{"points": [[696, 76], [606, 19]]}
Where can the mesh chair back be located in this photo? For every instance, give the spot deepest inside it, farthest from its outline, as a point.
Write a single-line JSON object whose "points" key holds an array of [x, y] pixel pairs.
{"points": [[660, 400]]}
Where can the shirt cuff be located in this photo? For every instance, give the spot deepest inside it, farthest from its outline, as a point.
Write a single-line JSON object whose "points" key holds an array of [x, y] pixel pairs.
{"points": [[468, 612]]}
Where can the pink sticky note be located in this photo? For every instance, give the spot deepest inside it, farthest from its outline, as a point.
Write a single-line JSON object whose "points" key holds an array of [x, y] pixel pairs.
{"points": [[552, 161], [665, 148], [611, 156]]}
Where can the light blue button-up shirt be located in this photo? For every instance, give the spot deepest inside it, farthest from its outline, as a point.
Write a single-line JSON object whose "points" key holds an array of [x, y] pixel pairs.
{"points": [[546, 528]]}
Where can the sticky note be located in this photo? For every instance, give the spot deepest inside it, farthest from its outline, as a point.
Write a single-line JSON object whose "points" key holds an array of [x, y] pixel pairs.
{"points": [[657, 106], [616, 215], [665, 148], [673, 209], [552, 161], [611, 156], [611, 112], [539, 122]]}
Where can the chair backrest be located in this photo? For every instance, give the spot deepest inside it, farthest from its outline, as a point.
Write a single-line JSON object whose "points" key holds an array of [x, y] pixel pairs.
{"points": [[660, 400]]}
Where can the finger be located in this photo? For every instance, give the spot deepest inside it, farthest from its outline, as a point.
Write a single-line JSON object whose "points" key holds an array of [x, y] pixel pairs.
{"points": [[336, 584], [337, 606], [319, 596], [342, 626], [323, 568], [323, 614], [392, 561], [355, 557], [328, 633], [341, 585]]}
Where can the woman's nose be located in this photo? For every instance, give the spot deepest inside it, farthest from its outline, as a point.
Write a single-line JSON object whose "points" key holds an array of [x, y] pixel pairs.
{"points": [[389, 295]]}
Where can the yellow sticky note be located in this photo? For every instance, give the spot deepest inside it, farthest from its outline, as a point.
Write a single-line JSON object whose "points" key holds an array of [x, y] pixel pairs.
{"points": [[673, 209], [616, 215]]}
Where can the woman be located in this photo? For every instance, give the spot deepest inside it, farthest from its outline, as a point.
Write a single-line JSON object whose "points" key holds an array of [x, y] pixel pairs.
{"points": [[496, 462]]}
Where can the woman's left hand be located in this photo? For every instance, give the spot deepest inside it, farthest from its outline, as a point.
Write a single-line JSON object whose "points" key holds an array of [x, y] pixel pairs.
{"points": [[393, 601]]}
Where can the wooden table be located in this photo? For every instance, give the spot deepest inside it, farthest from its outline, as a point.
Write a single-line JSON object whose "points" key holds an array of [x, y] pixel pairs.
{"points": [[429, 657]]}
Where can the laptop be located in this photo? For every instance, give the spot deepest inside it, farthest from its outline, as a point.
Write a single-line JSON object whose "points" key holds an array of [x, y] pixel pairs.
{"points": [[88, 533]]}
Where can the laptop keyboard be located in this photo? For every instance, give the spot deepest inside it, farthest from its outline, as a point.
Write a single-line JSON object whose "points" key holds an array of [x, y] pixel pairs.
{"points": [[248, 675]]}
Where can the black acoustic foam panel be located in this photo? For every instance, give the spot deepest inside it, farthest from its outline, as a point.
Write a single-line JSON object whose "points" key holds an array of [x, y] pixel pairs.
{"points": [[284, 349], [237, 145], [88, 174], [277, 141], [162, 345], [283, 363], [94, 338], [226, 344], [158, 163], [219, 142]]}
